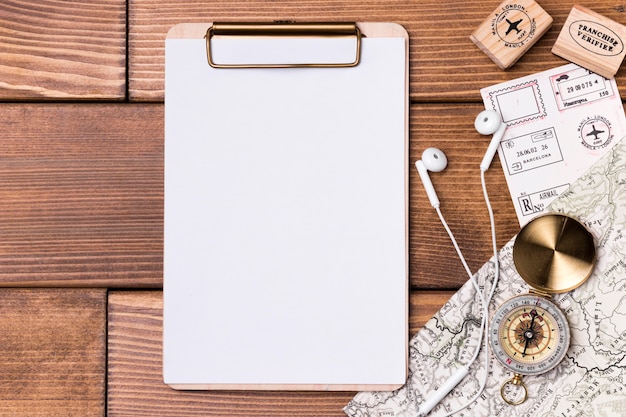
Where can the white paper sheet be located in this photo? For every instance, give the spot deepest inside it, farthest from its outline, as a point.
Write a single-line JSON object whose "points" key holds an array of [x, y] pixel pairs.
{"points": [[559, 122], [285, 257]]}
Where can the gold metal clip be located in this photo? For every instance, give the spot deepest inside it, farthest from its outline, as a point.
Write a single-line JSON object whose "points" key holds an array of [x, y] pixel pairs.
{"points": [[516, 381], [285, 29]]}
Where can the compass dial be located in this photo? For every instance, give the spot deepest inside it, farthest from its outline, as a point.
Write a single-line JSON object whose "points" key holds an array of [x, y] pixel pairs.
{"points": [[529, 334]]}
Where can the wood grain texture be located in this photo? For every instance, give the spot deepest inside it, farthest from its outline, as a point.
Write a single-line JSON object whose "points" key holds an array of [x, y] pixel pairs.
{"points": [[62, 49], [81, 195], [602, 54], [532, 23], [81, 190], [423, 305], [52, 352], [433, 260], [135, 383], [444, 63]]}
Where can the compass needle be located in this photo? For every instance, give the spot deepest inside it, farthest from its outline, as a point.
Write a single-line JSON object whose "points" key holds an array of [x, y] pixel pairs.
{"points": [[553, 254]]}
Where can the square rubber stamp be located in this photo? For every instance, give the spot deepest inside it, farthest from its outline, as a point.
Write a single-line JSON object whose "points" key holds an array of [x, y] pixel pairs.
{"points": [[592, 41], [512, 28]]}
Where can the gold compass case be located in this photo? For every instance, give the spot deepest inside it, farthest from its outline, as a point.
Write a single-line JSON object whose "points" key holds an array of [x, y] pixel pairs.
{"points": [[529, 334], [554, 253]]}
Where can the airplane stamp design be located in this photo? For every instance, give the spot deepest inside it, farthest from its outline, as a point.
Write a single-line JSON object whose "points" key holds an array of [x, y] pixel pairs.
{"points": [[514, 26], [559, 122], [595, 132], [510, 30]]}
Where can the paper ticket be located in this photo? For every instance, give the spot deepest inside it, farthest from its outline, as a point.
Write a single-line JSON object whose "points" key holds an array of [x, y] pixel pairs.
{"points": [[559, 122]]}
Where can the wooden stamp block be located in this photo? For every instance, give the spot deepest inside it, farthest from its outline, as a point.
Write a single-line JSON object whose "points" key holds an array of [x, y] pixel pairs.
{"points": [[592, 41], [512, 28]]}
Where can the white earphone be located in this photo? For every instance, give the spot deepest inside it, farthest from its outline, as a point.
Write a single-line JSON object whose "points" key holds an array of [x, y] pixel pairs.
{"points": [[488, 122], [432, 160]]}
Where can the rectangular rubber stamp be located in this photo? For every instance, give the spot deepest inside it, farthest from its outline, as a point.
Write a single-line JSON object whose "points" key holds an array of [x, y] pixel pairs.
{"points": [[592, 41], [512, 28]]}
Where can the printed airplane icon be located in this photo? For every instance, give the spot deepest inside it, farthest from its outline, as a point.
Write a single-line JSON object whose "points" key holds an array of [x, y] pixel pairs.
{"points": [[513, 26], [595, 132]]}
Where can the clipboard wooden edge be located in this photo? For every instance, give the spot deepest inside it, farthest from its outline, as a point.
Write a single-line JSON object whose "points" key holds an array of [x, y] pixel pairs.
{"points": [[368, 29]]}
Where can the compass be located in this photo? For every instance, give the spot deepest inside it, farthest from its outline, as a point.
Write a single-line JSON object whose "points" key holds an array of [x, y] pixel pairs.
{"points": [[528, 333]]}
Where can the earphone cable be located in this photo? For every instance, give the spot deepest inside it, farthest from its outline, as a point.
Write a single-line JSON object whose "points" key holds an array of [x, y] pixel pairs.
{"points": [[484, 302], [456, 247]]}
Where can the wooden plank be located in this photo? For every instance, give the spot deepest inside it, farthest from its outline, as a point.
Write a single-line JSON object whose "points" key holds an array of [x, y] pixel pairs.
{"points": [[433, 260], [135, 383], [52, 352], [63, 50], [423, 305], [445, 65], [81, 195]]}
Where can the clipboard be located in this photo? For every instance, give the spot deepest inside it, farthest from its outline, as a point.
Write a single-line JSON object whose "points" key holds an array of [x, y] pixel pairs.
{"points": [[285, 206]]}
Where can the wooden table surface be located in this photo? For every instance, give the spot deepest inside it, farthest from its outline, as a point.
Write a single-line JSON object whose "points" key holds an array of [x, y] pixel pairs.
{"points": [[81, 189]]}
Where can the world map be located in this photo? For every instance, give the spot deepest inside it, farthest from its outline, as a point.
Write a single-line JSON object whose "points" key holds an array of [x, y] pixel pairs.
{"points": [[589, 382]]}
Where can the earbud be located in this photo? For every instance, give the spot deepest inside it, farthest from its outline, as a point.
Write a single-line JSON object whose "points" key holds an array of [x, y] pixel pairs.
{"points": [[432, 160], [488, 122], [443, 391]]}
